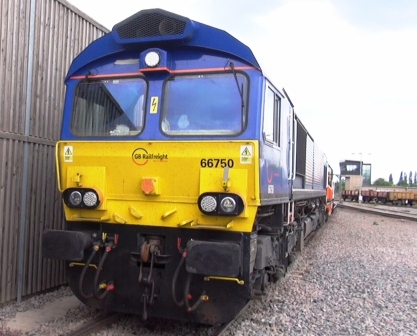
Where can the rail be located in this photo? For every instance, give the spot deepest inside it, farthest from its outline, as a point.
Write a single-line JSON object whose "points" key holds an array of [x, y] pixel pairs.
{"points": [[383, 210], [96, 325]]}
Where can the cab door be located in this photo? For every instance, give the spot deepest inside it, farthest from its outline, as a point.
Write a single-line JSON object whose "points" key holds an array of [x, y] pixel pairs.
{"points": [[274, 147]]}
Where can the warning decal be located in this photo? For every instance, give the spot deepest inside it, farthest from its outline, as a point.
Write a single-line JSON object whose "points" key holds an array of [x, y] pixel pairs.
{"points": [[154, 105], [246, 154], [68, 153]]}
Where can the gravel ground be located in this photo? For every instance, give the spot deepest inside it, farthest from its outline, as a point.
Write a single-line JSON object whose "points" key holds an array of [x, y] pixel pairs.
{"points": [[34, 302], [357, 276], [54, 325]]}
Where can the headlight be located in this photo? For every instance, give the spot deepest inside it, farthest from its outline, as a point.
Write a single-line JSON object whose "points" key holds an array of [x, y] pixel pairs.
{"points": [[90, 199], [220, 204], [152, 59], [81, 198]]}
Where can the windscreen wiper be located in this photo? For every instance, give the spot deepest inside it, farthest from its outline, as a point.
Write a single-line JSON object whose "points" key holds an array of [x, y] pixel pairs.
{"points": [[232, 66]]}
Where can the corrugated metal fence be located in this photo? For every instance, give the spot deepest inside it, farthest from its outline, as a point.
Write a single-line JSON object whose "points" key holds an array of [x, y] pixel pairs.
{"points": [[38, 40]]}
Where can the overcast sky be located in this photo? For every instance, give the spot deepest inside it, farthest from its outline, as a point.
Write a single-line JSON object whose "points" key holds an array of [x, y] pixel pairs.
{"points": [[349, 66]]}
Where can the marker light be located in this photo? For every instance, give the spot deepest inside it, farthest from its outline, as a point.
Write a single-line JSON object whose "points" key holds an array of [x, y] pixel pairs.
{"points": [[152, 59], [228, 205], [75, 198], [208, 204]]}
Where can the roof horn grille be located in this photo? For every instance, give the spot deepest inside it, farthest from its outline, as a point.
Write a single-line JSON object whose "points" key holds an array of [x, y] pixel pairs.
{"points": [[148, 25]]}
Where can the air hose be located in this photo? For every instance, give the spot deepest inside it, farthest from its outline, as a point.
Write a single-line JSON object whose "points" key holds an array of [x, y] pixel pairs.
{"points": [[109, 286], [186, 289], [87, 264], [174, 281]]}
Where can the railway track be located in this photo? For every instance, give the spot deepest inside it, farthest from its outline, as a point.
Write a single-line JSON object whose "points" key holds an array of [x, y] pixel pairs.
{"points": [[97, 324], [101, 322], [383, 210]]}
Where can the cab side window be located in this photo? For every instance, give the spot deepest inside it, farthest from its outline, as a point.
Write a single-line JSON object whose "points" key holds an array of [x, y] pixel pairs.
{"points": [[272, 110]]}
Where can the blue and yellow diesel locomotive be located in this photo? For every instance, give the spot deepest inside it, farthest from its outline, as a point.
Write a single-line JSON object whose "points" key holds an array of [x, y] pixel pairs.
{"points": [[188, 182]]}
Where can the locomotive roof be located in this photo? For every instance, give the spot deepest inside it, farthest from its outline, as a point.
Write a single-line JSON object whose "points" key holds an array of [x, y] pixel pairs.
{"points": [[159, 28]]}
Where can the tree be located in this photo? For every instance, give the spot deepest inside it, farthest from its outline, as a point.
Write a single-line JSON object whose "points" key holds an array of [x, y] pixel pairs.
{"points": [[382, 183], [391, 180], [403, 182], [401, 179], [410, 178], [415, 178]]}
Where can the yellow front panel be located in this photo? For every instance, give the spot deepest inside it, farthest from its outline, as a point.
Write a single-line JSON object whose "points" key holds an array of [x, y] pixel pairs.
{"points": [[158, 183]]}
